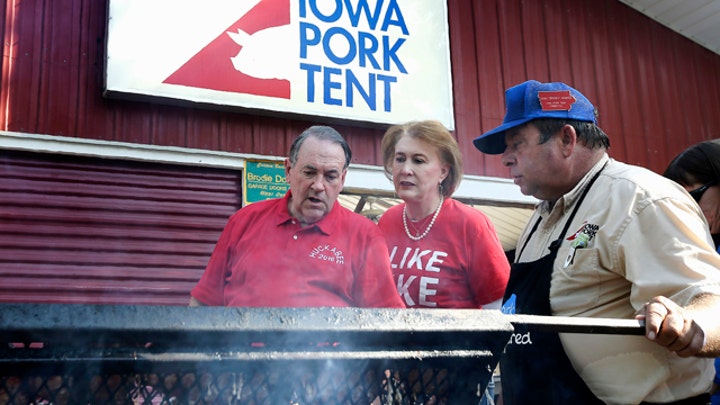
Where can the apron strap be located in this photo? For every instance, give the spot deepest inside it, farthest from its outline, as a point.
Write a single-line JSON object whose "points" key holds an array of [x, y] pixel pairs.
{"points": [[532, 231], [557, 242]]}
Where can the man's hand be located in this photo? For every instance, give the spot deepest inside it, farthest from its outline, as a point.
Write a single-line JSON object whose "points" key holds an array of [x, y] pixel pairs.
{"points": [[669, 325]]}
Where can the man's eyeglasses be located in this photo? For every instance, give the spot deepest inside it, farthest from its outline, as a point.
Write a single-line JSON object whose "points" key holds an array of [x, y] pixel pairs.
{"points": [[698, 192]]}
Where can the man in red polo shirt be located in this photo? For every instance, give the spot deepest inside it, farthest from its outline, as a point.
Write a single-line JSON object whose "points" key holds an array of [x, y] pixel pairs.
{"points": [[305, 249]]}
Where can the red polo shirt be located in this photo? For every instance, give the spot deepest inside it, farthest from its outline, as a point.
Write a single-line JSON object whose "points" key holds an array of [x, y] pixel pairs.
{"points": [[264, 258]]}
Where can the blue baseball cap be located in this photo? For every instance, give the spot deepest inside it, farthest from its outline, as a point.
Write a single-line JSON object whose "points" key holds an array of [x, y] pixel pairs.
{"points": [[530, 100]]}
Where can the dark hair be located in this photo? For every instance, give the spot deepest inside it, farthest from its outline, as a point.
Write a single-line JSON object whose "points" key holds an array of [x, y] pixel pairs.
{"points": [[700, 163], [323, 133], [588, 134], [434, 134]]}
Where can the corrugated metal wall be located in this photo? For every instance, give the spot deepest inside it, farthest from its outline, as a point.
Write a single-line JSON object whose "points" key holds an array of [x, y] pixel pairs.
{"points": [[83, 230], [657, 91]]}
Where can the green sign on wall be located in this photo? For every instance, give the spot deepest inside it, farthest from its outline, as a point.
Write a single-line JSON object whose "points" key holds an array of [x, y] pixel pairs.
{"points": [[264, 179]]}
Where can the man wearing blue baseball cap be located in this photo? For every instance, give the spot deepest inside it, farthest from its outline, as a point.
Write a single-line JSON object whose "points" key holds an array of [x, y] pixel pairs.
{"points": [[608, 240]]}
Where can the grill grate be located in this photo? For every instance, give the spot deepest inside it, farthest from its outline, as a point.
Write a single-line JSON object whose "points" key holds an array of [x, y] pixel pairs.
{"points": [[80, 354], [269, 385]]}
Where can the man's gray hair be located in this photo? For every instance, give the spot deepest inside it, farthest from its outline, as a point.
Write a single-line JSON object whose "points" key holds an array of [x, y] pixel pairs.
{"points": [[323, 133]]}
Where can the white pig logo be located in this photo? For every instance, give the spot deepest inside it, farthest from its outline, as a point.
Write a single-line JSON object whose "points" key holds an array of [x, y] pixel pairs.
{"points": [[265, 54]]}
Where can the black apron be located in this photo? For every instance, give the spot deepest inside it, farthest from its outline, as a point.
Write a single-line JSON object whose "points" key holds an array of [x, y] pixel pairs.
{"points": [[534, 368]]}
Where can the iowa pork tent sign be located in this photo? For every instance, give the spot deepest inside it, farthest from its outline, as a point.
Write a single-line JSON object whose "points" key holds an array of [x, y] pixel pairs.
{"points": [[377, 61]]}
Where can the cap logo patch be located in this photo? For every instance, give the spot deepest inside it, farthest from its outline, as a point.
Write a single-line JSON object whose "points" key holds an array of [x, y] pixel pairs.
{"points": [[556, 100]]}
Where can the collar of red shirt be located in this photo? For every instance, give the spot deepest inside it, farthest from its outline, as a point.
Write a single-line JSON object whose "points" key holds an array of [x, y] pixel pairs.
{"points": [[326, 225]]}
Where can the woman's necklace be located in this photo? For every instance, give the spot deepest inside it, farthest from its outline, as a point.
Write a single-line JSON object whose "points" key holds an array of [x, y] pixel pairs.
{"points": [[417, 226], [427, 230]]}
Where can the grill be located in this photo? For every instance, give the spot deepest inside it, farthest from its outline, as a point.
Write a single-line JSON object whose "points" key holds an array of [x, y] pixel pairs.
{"points": [[102, 354]]}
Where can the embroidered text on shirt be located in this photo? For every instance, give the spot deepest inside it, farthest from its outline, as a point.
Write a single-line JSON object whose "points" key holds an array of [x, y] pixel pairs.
{"points": [[328, 254]]}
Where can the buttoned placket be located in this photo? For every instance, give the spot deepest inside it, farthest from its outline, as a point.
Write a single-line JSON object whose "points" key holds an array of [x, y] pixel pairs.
{"points": [[295, 235]]}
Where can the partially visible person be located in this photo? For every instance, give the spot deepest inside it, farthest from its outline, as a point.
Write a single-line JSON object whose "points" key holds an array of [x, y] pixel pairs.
{"points": [[608, 240], [697, 169], [305, 249], [443, 253]]}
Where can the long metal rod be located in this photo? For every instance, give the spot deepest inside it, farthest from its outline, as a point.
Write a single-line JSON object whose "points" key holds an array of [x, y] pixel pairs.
{"points": [[566, 324]]}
